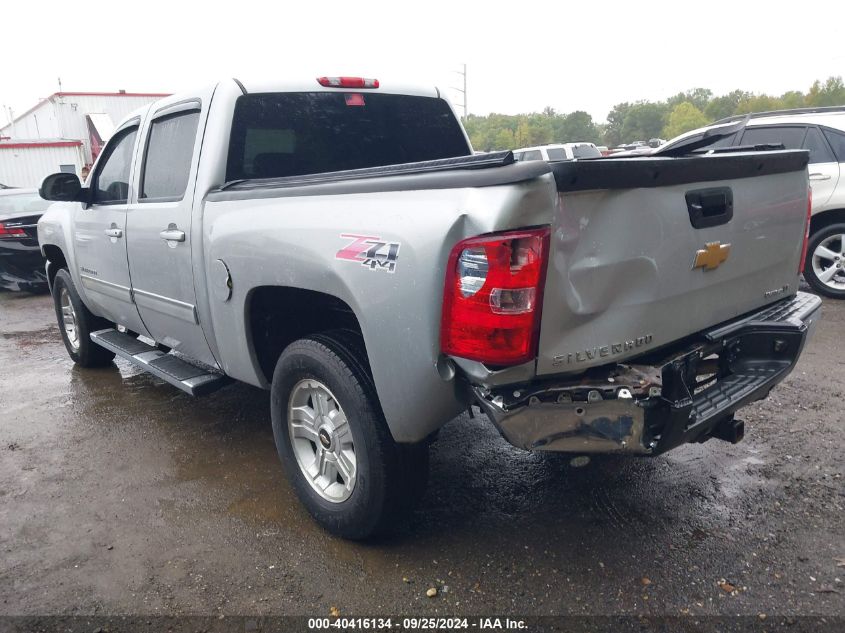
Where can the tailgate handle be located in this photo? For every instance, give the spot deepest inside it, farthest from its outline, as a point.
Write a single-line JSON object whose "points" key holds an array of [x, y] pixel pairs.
{"points": [[710, 207]]}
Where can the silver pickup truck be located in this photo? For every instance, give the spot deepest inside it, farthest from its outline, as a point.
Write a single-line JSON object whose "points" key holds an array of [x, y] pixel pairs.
{"points": [[336, 242]]}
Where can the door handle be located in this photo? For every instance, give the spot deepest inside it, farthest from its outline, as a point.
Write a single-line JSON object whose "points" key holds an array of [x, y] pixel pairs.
{"points": [[172, 234], [819, 176], [114, 232]]}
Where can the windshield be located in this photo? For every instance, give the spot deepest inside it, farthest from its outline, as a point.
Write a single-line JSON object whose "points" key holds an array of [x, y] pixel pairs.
{"points": [[586, 151], [290, 134], [22, 203]]}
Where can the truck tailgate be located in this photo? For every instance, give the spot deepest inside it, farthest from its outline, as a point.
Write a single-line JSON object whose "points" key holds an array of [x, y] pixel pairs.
{"points": [[642, 254]]}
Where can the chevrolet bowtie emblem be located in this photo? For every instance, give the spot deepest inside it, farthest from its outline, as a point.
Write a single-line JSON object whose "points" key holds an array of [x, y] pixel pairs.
{"points": [[711, 256]]}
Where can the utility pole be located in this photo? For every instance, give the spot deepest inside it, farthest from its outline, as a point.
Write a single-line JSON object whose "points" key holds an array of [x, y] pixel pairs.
{"points": [[7, 110], [463, 90]]}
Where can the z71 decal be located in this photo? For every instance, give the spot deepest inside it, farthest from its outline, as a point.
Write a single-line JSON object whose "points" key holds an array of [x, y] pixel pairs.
{"points": [[370, 251]]}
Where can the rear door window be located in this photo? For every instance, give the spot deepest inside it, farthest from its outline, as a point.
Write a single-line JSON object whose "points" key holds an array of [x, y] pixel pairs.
{"points": [[791, 137], [290, 134], [167, 162], [837, 143], [819, 150]]}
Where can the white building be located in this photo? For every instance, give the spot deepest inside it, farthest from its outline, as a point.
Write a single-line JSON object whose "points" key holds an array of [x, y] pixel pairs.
{"points": [[63, 132]]}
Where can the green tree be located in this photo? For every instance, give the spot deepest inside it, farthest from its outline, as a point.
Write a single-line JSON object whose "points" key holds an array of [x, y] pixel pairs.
{"points": [[504, 140], [793, 99], [829, 93], [522, 137], [758, 103], [615, 122], [683, 118], [575, 126], [725, 106], [645, 120], [540, 127], [699, 97]]}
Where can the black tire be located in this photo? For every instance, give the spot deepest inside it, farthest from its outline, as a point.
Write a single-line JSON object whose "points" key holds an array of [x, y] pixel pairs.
{"points": [[86, 353], [809, 274], [390, 478]]}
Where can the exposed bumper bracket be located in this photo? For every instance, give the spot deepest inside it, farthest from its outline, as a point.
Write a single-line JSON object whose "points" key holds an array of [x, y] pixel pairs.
{"points": [[685, 395]]}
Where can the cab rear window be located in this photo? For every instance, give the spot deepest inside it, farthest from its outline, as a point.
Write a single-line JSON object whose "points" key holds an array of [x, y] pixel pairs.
{"points": [[276, 135]]}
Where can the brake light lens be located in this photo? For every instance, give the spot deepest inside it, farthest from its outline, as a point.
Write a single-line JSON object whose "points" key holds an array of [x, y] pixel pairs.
{"points": [[806, 232], [347, 82], [11, 231], [493, 297]]}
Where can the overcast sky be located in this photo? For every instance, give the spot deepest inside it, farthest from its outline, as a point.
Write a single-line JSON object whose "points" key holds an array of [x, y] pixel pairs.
{"points": [[521, 55]]}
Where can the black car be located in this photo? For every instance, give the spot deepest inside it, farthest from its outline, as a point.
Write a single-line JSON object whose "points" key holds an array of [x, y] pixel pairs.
{"points": [[21, 263]]}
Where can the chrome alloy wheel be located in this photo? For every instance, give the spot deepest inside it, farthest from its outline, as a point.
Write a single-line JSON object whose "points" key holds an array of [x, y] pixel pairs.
{"points": [[322, 440], [829, 262], [69, 319]]}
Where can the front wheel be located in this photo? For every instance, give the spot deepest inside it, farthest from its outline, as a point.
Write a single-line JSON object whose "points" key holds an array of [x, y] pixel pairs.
{"points": [[824, 268], [76, 322], [333, 441]]}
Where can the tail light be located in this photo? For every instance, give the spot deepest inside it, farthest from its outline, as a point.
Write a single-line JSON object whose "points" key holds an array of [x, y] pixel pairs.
{"points": [[347, 82], [806, 231], [493, 297], [11, 231]]}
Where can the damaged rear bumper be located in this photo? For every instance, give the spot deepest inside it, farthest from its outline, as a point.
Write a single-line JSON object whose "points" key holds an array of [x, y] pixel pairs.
{"points": [[658, 402]]}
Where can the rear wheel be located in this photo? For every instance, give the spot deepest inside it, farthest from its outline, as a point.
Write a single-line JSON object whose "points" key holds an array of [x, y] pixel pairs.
{"points": [[76, 322], [824, 268], [334, 443]]}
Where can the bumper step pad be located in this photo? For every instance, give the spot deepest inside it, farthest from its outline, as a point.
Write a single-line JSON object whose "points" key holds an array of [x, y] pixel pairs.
{"points": [[180, 373]]}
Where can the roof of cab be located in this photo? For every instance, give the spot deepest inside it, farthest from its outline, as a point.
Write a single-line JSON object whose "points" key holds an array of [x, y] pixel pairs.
{"points": [[310, 84], [301, 85]]}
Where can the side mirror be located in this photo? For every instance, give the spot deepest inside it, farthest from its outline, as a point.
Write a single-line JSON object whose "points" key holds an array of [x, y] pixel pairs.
{"points": [[62, 187]]}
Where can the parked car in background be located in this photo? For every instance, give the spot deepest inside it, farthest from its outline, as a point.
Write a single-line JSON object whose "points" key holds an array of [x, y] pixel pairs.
{"points": [[557, 151], [821, 131], [634, 150], [21, 262]]}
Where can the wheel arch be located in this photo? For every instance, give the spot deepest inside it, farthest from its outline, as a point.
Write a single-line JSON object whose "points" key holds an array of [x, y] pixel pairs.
{"points": [[825, 218], [276, 316], [55, 261]]}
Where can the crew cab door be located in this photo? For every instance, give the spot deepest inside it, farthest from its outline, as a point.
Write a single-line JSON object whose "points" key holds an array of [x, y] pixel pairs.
{"points": [[823, 168], [100, 232], [160, 240]]}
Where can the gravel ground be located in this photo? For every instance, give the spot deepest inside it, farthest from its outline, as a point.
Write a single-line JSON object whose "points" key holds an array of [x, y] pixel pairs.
{"points": [[121, 495]]}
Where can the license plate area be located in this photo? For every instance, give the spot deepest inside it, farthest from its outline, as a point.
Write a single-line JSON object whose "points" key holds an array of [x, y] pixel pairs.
{"points": [[709, 383]]}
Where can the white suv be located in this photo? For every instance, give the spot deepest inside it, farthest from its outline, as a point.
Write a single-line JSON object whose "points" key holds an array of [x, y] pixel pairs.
{"points": [[557, 151], [822, 132]]}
